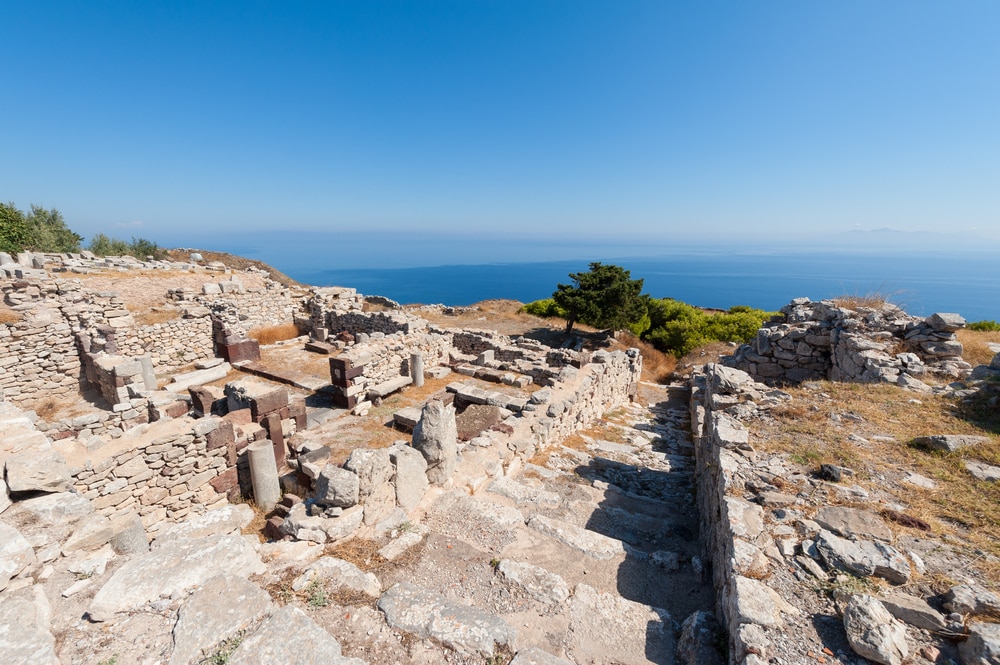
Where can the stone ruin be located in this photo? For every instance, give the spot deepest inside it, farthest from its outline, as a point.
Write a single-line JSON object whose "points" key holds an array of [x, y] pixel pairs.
{"points": [[823, 340]]}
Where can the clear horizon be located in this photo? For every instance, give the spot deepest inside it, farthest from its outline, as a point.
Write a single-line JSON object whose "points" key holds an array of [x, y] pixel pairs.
{"points": [[659, 122]]}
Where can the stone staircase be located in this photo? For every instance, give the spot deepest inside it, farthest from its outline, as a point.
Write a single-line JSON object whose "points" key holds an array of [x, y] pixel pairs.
{"points": [[589, 555]]}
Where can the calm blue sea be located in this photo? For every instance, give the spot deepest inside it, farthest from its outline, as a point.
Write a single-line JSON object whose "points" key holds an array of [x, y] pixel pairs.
{"points": [[970, 287], [467, 270]]}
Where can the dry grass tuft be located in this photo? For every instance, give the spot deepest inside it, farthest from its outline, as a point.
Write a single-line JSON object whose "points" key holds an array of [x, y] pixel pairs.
{"points": [[8, 316], [657, 366], [278, 333], [974, 344], [816, 428], [256, 525], [148, 317], [48, 408], [871, 300], [362, 552]]}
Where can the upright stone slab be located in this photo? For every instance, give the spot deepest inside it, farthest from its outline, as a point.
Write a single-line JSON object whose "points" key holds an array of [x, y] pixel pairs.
{"points": [[436, 437], [375, 489], [411, 476]]}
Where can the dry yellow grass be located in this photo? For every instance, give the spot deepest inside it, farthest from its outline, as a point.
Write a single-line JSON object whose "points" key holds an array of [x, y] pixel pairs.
{"points": [[8, 316], [657, 366], [815, 428], [148, 317], [272, 334], [974, 344]]}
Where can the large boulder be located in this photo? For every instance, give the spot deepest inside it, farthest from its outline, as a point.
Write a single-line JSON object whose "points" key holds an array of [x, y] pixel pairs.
{"points": [[873, 633], [38, 472], [290, 636], [375, 489], [16, 554], [436, 437], [173, 567], [337, 487], [222, 608], [24, 637]]}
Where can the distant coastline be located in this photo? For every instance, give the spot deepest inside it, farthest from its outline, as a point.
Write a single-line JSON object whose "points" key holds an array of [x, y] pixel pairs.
{"points": [[464, 270]]}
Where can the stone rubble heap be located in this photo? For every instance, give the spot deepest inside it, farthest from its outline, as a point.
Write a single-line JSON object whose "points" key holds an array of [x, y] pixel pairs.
{"points": [[868, 344], [774, 536]]}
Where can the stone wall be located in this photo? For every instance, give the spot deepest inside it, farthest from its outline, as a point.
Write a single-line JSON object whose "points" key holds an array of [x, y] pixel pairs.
{"points": [[732, 528], [163, 480], [171, 344], [880, 343]]}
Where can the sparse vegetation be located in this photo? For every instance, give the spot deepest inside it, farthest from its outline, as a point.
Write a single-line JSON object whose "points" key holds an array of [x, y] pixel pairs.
{"points": [[975, 345], [225, 650], [272, 334], [139, 248], [39, 230], [815, 428], [984, 326], [316, 595]]}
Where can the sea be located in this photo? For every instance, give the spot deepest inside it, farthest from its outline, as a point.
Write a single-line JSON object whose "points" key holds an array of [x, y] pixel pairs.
{"points": [[470, 270]]}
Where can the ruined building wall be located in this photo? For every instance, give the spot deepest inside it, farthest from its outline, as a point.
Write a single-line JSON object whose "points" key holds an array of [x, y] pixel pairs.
{"points": [[880, 343]]}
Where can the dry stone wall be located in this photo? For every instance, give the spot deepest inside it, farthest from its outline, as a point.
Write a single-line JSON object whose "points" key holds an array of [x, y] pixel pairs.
{"points": [[869, 344], [163, 480]]}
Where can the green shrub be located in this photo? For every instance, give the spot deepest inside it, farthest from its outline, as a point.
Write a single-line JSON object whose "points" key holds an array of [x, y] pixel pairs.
{"points": [[678, 328], [40, 230], [546, 308], [984, 326], [139, 248]]}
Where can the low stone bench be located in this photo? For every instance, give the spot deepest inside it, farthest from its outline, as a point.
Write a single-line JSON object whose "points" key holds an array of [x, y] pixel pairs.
{"points": [[386, 388], [406, 419]]}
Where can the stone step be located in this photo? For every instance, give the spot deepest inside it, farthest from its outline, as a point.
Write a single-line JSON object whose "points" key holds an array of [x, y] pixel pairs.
{"points": [[523, 494], [430, 615], [590, 543]]}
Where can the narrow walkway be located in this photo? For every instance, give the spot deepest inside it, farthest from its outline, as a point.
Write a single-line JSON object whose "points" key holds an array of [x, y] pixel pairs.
{"points": [[589, 554]]}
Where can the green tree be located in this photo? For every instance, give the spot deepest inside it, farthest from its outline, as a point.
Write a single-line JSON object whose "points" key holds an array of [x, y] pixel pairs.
{"points": [[47, 232], [604, 297], [13, 229]]}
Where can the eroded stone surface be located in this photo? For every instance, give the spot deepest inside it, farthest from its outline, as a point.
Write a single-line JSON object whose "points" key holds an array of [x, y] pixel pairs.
{"points": [[427, 614], [873, 633]]}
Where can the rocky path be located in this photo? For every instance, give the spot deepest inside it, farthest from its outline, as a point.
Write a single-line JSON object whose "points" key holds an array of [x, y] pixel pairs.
{"points": [[586, 556]]}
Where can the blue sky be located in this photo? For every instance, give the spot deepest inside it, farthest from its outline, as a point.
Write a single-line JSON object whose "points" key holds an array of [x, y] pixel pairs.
{"points": [[656, 121]]}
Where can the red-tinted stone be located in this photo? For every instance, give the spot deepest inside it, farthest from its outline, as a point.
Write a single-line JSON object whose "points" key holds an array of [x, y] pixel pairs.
{"points": [[225, 481], [239, 417], [221, 436], [263, 405]]}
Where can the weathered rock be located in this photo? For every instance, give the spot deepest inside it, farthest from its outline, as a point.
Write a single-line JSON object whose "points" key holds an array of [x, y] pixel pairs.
{"points": [[396, 547], [699, 642], [24, 640], [338, 573], [535, 656], [222, 608], [523, 494], [591, 543], [752, 601], [129, 535], [170, 568], [375, 489], [219, 522], [873, 633], [853, 523], [863, 558], [983, 645], [543, 586], [914, 611], [16, 554], [92, 532], [971, 599], [57, 508], [621, 630], [945, 322], [979, 471], [950, 442], [38, 472], [337, 487], [436, 437], [4, 496], [411, 476], [290, 636], [429, 615]]}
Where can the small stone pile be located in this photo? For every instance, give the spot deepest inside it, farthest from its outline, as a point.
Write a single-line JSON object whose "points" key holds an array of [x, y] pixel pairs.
{"points": [[868, 344]]}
